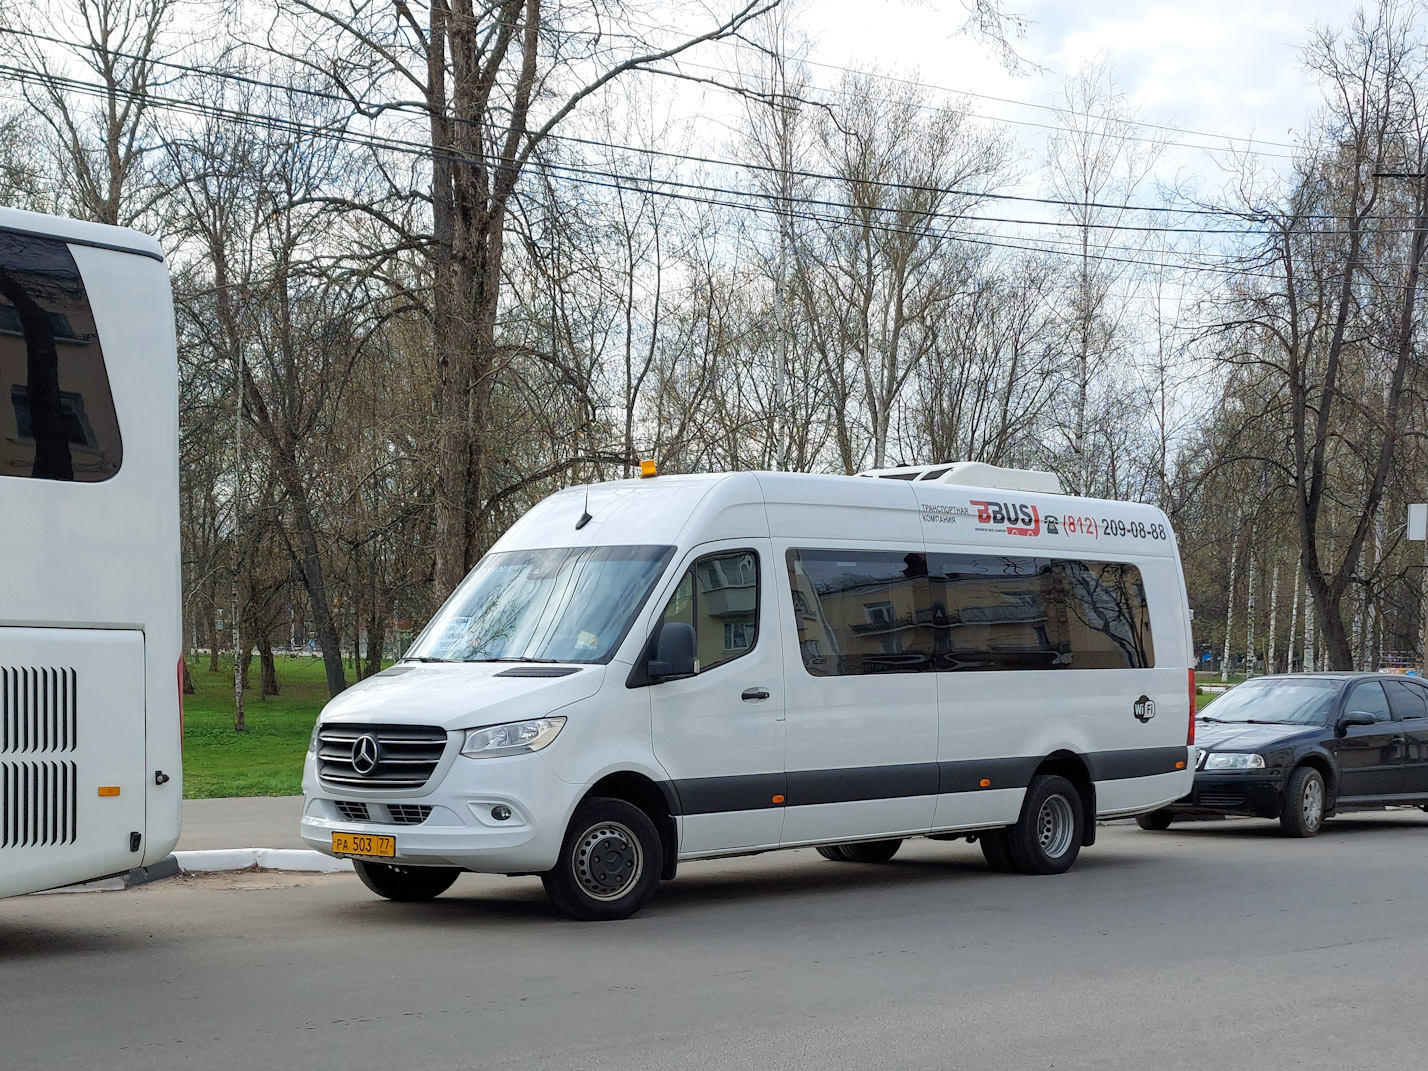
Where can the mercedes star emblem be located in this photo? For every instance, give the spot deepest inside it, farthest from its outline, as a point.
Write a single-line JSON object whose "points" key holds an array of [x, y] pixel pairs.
{"points": [[365, 754]]}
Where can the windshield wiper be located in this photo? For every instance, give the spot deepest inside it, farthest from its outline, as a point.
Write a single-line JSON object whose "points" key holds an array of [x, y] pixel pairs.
{"points": [[1206, 717], [425, 658], [517, 658]]}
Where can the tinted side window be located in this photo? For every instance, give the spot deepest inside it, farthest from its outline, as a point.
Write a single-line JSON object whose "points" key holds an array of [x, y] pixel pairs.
{"points": [[860, 611], [1003, 612], [719, 596], [1368, 697], [872, 612], [57, 418], [1407, 700]]}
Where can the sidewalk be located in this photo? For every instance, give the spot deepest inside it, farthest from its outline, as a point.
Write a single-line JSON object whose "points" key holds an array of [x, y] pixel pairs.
{"points": [[242, 822]]}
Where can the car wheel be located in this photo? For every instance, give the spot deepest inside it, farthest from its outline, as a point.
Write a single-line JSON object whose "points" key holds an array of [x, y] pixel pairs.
{"points": [[1303, 814], [406, 884], [609, 864], [833, 852], [1047, 837], [871, 851], [996, 850], [1158, 821]]}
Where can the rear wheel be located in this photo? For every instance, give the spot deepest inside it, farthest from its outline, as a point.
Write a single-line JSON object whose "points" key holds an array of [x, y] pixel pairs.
{"points": [[609, 863], [833, 852], [871, 851], [1047, 837], [1303, 814], [406, 884], [1156, 820], [996, 849]]}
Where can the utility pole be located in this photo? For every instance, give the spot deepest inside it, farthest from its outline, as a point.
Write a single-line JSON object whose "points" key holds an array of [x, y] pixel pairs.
{"points": [[1418, 530], [239, 724]]}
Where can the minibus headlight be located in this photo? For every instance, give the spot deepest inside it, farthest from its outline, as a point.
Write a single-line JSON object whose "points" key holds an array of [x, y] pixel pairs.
{"points": [[312, 740], [1229, 760], [513, 738]]}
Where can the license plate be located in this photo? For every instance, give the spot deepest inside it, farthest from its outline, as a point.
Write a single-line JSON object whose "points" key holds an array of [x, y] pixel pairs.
{"points": [[364, 844]]}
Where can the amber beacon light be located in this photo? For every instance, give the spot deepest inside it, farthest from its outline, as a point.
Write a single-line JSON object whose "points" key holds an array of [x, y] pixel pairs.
{"points": [[648, 469]]}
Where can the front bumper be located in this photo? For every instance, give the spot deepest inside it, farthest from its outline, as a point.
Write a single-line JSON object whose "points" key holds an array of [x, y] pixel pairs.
{"points": [[459, 830], [1256, 795]]}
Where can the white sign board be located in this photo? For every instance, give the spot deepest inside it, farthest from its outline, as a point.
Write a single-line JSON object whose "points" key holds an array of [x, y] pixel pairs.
{"points": [[1418, 521]]}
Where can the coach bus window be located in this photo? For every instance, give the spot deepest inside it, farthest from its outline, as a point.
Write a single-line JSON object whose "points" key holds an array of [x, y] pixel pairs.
{"points": [[57, 419]]}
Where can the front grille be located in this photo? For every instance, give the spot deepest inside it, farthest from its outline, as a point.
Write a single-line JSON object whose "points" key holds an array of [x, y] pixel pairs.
{"points": [[408, 814], [353, 812], [38, 803], [1220, 799], [406, 755]]}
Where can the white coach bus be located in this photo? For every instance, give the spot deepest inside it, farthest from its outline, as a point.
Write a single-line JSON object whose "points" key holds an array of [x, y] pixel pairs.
{"points": [[90, 707], [666, 669]]}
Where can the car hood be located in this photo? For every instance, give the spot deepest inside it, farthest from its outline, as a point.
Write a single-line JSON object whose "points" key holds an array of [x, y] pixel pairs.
{"points": [[1232, 736], [462, 695]]}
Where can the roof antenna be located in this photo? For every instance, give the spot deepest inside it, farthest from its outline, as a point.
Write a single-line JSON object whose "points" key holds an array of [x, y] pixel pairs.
{"points": [[585, 517]]}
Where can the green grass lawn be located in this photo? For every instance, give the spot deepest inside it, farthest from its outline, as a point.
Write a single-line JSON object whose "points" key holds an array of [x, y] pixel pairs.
{"points": [[267, 759]]}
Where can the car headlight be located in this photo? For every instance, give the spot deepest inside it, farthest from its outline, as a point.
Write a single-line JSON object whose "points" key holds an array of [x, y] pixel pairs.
{"points": [[312, 740], [513, 738], [1230, 760]]}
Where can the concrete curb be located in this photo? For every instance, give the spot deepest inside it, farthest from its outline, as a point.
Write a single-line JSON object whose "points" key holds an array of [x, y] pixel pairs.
{"points": [[227, 859]]}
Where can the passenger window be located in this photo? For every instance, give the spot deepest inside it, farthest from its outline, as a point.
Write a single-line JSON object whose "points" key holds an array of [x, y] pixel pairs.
{"points": [[1367, 697], [57, 419], [1407, 700], [888, 611], [860, 611], [719, 596]]}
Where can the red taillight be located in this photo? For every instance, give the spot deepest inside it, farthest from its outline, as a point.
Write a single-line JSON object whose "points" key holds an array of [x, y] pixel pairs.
{"points": [[180, 704], [1190, 731]]}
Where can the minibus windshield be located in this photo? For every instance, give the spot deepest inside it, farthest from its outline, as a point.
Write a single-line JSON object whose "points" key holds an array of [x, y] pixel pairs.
{"points": [[563, 604]]}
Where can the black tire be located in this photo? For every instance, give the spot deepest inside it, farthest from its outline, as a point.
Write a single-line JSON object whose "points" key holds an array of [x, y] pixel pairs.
{"points": [[610, 862], [1047, 837], [833, 852], [1158, 821], [871, 851], [1305, 803], [996, 849], [406, 884]]}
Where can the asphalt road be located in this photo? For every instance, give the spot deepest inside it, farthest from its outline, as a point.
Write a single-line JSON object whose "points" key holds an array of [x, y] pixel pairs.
{"points": [[1217, 945]]}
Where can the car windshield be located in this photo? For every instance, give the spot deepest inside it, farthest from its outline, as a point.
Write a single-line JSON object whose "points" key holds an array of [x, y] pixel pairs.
{"points": [[565, 604], [1279, 700]]}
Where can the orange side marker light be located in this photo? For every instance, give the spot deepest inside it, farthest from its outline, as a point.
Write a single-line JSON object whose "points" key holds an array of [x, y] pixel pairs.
{"points": [[985, 782], [778, 799], [109, 790], [1180, 766]]}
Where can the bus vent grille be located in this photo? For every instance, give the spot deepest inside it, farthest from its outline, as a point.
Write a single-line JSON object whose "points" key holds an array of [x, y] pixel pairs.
{"points": [[38, 709], [38, 803]]}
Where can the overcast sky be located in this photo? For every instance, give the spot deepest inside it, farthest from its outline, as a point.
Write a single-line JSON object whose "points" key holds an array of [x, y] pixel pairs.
{"points": [[1224, 66]]}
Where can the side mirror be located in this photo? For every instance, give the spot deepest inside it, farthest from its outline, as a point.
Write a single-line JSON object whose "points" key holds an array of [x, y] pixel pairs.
{"points": [[1357, 717], [674, 653]]}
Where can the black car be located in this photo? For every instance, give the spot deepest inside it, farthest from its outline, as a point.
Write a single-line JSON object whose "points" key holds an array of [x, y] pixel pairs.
{"points": [[1301, 747]]}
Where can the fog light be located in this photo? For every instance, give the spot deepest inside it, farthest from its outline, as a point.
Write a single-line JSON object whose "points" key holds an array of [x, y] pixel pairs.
{"points": [[500, 812]]}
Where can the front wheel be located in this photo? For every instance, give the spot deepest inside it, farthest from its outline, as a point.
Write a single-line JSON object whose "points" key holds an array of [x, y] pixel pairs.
{"points": [[1155, 820], [1047, 837], [1303, 814], [610, 862], [407, 884]]}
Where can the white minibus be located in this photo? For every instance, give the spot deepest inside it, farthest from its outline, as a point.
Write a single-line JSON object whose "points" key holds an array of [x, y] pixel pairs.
{"points": [[672, 668], [90, 705]]}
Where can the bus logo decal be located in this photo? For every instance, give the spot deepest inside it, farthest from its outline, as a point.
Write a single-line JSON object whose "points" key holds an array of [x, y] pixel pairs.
{"points": [[1144, 709]]}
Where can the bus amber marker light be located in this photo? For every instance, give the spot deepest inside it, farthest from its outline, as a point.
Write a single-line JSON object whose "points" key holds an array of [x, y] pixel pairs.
{"points": [[109, 790], [648, 469], [778, 799], [985, 783]]}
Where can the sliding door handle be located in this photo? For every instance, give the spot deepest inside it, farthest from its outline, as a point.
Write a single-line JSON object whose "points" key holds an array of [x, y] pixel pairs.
{"points": [[755, 693]]}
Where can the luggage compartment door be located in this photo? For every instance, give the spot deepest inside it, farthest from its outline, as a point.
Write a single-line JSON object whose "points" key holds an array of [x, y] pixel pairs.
{"points": [[72, 782]]}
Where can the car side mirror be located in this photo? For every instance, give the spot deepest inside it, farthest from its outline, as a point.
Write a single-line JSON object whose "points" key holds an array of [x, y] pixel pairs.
{"points": [[1357, 717], [674, 653]]}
